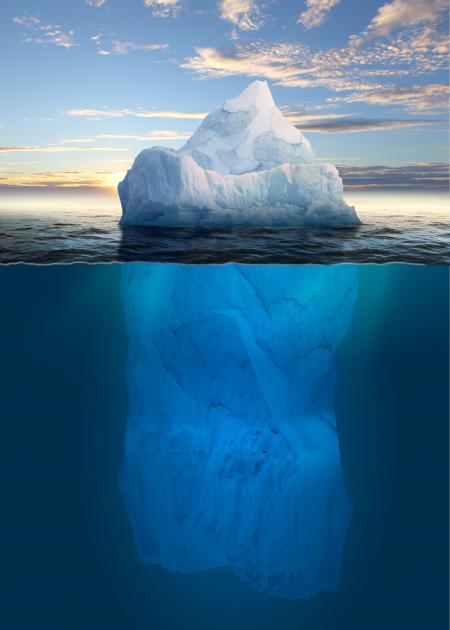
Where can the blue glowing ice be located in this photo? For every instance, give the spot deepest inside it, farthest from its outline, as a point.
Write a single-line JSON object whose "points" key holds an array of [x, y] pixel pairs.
{"points": [[231, 453]]}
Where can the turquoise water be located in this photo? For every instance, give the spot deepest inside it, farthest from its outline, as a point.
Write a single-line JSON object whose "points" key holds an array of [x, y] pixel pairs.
{"points": [[68, 547]]}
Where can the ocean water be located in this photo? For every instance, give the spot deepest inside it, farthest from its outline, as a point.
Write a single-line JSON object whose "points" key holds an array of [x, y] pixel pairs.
{"points": [[411, 227], [69, 554]]}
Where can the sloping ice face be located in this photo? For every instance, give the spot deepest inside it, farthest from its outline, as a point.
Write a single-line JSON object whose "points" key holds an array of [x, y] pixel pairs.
{"points": [[231, 452], [245, 165]]}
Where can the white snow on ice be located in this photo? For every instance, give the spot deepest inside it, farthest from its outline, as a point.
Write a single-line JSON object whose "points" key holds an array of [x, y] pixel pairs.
{"points": [[245, 164]]}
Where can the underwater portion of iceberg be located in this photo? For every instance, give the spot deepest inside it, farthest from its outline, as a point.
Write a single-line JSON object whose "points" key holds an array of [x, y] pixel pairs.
{"points": [[231, 452], [245, 165]]}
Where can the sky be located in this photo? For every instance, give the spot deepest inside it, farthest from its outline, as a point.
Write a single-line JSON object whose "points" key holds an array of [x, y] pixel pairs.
{"points": [[87, 84]]}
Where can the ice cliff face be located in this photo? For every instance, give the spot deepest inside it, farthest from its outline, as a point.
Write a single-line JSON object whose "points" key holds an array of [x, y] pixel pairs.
{"points": [[246, 164], [231, 453]]}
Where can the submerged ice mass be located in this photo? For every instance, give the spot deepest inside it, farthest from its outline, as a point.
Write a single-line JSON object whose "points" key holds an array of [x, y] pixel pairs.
{"points": [[245, 164], [231, 452]]}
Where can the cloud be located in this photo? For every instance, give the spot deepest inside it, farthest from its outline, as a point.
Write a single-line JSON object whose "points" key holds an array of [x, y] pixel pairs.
{"points": [[357, 125], [347, 123], [137, 113], [164, 8], [96, 3], [119, 47], [426, 175], [160, 134], [61, 179], [244, 14], [75, 140], [45, 34], [421, 98], [404, 13], [419, 47], [300, 114], [429, 39], [283, 63], [98, 113], [123, 48], [289, 65], [351, 69], [152, 136], [54, 149], [316, 13]]}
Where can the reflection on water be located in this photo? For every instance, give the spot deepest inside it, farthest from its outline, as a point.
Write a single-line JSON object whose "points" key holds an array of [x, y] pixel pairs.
{"points": [[238, 244], [406, 227]]}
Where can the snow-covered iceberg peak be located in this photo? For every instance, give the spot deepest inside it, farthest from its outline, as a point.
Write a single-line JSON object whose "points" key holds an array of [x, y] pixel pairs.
{"points": [[257, 94], [248, 133], [246, 164]]}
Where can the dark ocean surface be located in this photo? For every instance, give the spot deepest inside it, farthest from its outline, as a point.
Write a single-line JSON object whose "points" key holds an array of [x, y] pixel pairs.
{"points": [[69, 560], [397, 227]]}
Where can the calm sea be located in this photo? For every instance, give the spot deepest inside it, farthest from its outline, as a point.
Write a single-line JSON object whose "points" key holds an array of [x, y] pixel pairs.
{"points": [[57, 227]]}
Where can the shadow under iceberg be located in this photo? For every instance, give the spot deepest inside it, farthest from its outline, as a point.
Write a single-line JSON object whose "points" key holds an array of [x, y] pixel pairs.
{"points": [[239, 244]]}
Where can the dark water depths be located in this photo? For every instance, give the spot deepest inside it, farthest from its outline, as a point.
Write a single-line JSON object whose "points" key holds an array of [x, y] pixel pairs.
{"points": [[68, 555], [397, 227]]}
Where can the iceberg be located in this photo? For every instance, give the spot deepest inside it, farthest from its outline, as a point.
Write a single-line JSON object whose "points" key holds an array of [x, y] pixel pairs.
{"points": [[245, 165], [231, 454]]}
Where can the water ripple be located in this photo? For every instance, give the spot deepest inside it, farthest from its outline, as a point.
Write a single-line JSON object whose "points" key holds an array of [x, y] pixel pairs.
{"points": [[93, 237]]}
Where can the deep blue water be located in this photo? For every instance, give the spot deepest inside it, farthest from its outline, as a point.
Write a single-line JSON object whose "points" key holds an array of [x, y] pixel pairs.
{"points": [[68, 555]]}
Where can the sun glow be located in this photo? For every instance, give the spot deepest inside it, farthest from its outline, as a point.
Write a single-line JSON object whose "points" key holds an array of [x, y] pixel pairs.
{"points": [[63, 179]]}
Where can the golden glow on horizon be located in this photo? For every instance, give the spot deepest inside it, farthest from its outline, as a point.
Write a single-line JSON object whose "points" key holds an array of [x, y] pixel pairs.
{"points": [[60, 149], [108, 180], [102, 185], [373, 203], [63, 179]]}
